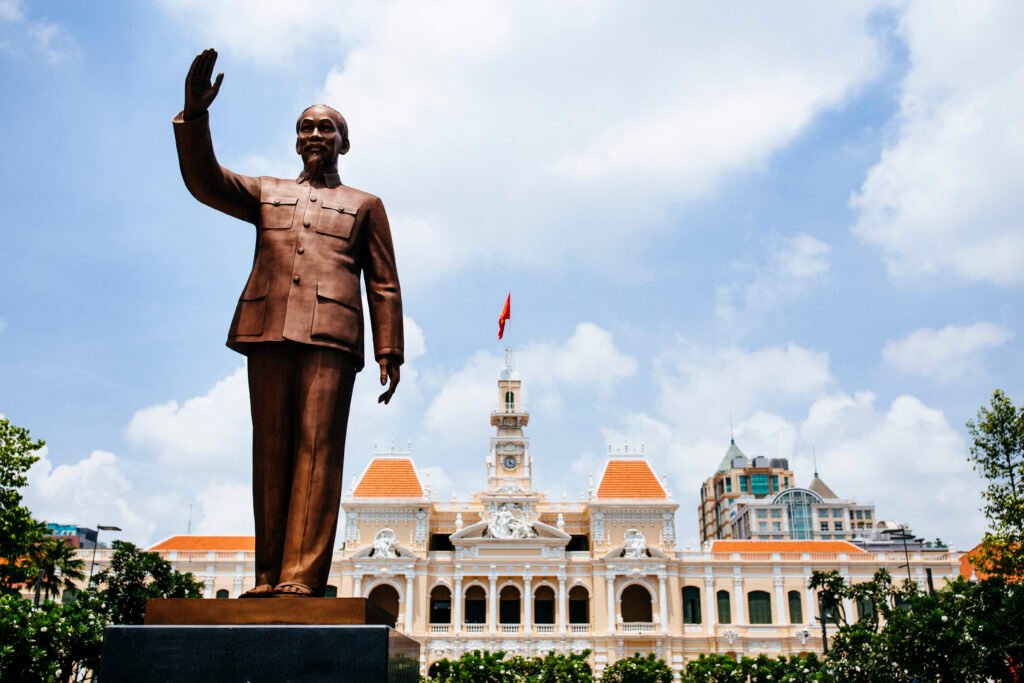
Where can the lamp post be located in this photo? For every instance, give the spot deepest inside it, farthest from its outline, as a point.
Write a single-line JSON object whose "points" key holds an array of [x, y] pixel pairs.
{"points": [[826, 608], [96, 544]]}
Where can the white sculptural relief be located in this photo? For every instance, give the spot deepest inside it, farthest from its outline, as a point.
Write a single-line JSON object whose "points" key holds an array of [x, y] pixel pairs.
{"points": [[635, 545], [385, 544], [510, 522]]}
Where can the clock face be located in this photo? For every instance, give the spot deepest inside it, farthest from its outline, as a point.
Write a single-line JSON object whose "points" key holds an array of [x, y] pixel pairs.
{"points": [[510, 462]]}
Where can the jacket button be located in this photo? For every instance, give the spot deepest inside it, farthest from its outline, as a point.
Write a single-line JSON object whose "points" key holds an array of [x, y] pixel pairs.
{"points": [[305, 224], [302, 250], [313, 198], [295, 279]]}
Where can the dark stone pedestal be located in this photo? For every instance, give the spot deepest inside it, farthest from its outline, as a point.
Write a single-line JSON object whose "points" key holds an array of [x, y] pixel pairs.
{"points": [[258, 654]]}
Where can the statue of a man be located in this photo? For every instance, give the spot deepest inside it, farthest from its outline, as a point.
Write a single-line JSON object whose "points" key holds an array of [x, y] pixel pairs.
{"points": [[299, 321]]}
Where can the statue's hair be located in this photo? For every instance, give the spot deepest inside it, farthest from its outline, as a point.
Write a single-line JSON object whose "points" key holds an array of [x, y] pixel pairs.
{"points": [[341, 119]]}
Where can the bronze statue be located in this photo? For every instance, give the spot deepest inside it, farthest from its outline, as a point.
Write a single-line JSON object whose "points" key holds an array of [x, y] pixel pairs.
{"points": [[299, 321]]}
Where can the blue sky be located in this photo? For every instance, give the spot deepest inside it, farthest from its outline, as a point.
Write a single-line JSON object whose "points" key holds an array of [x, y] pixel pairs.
{"points": [[807, 217]]}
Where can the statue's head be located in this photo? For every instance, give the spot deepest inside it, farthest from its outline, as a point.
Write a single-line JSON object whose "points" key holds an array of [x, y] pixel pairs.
{"points": [[321, 137]]}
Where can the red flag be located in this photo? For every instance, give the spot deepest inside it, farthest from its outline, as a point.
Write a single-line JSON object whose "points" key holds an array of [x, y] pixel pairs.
{"points": [[506, 314]]}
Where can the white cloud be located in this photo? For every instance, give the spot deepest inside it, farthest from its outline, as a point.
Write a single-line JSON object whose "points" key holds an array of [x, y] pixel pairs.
{"points": [[792, 265], [51, 39], [588, 359], [10, 10], [225, 508], [905, 459], [945, 195], [211, 432], [484, 123], [946, 353], [91, 491]]}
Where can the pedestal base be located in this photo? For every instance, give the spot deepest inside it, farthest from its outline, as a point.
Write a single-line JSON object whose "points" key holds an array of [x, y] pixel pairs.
{"points": [[258, 654]]}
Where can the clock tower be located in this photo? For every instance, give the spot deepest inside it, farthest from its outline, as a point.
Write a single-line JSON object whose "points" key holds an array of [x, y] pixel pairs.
{"points": [[509, 464]]}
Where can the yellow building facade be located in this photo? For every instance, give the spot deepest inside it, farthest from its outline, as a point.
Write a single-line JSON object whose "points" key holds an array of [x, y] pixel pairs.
{"points": [[511, 569]]}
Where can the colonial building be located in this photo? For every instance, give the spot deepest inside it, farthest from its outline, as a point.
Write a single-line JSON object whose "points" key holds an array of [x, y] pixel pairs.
{"points": [[511, 569]]}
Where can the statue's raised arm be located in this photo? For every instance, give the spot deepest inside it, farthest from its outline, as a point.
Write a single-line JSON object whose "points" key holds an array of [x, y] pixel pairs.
{"points": [[199, 92]]}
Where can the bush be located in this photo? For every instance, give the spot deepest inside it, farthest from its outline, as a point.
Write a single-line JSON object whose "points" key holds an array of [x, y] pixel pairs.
{"points": [[638, 669], [487, 667]]}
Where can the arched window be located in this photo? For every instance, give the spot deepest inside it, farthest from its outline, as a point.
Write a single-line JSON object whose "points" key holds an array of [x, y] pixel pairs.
{"points": [[440, 605], [544, 605], [760, 605], [223, 594], [865, 609], [385, 597], [796, 610], [508, 605], [691, 605], [510, 401], [724, 607], [331, 592], [636, 605], [476, 605], [579, 605]]}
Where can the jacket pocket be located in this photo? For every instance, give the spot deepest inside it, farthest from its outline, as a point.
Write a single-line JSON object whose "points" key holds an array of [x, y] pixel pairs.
{"points": [[276, 213], [336, 220], [252, 309], [338, 314]]}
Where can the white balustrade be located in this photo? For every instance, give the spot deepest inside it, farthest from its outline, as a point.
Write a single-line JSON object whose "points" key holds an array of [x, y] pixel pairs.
{"points": [[474, 628], [638, 627], [579, 628], [440, 628], [544, 628], [510, 628]]}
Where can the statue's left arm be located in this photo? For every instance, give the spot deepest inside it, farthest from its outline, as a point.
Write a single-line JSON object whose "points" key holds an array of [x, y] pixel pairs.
{"points": [[384, 296]]}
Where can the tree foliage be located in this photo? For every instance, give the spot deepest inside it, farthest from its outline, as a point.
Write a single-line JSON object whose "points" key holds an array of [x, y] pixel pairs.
{"points": [[18, 531], [134, 576], [490, 667], [638, 669], [997, 453]]}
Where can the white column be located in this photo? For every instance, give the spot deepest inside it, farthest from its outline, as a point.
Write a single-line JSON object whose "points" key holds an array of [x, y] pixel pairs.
{"points": [[781, 616], [739, 601], [528, 605], [208, 588], [563, 605], [663, 603], [409, 602], [457, 605], [711, 604], [812, 601], [357, 587], [610, 582], [492, 604]]}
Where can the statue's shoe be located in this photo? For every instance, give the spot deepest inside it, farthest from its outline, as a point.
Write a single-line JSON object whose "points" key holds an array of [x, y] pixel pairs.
{"points": [[264, 590], [292, 590]]}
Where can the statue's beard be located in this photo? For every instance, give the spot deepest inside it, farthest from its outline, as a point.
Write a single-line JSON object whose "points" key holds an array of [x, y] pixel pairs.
{"points": [[313, 169]]}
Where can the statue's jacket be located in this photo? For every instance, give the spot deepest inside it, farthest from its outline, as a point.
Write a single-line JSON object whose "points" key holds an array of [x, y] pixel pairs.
{"points": [[312, 244]]}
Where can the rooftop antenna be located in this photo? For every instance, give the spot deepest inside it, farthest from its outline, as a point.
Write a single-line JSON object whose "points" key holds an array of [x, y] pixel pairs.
{"points": [[814, 456], [732, 436], [189, 532]]}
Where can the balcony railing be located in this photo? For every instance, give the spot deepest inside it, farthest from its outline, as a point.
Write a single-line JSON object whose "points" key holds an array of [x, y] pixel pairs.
{"points": [[638, 627], [579, 628], [474, 628], [544, 628], [440, 628], [509, 628]]}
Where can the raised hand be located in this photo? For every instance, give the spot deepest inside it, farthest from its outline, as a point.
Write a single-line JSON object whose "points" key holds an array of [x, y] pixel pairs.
{"points": [[199, 93], [388, 371]]}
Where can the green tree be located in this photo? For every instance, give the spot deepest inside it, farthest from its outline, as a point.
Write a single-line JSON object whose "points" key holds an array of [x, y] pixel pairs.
{"points": [[997, 453], [135, 576], [638, 669], [18, 531], [60, 566]]}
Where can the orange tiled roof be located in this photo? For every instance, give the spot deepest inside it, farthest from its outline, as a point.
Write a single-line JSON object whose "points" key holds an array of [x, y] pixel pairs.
{"points": [[247, 543], [730, 546], [389, 478], [629, 479]]}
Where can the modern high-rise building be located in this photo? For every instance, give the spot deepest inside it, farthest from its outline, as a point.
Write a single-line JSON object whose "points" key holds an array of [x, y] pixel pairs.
{"points": [[738, 477]]}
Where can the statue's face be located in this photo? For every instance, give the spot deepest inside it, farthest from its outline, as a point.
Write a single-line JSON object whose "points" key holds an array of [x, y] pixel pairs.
{"points": [[321, 132]]}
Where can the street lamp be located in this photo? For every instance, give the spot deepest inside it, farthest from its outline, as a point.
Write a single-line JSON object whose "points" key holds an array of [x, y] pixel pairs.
{"points": [[96, 544], [827, 609]]}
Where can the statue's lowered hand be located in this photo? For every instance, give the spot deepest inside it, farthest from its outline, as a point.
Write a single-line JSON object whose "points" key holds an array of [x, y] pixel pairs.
{"points": [[199, 92], [389, 370]]}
